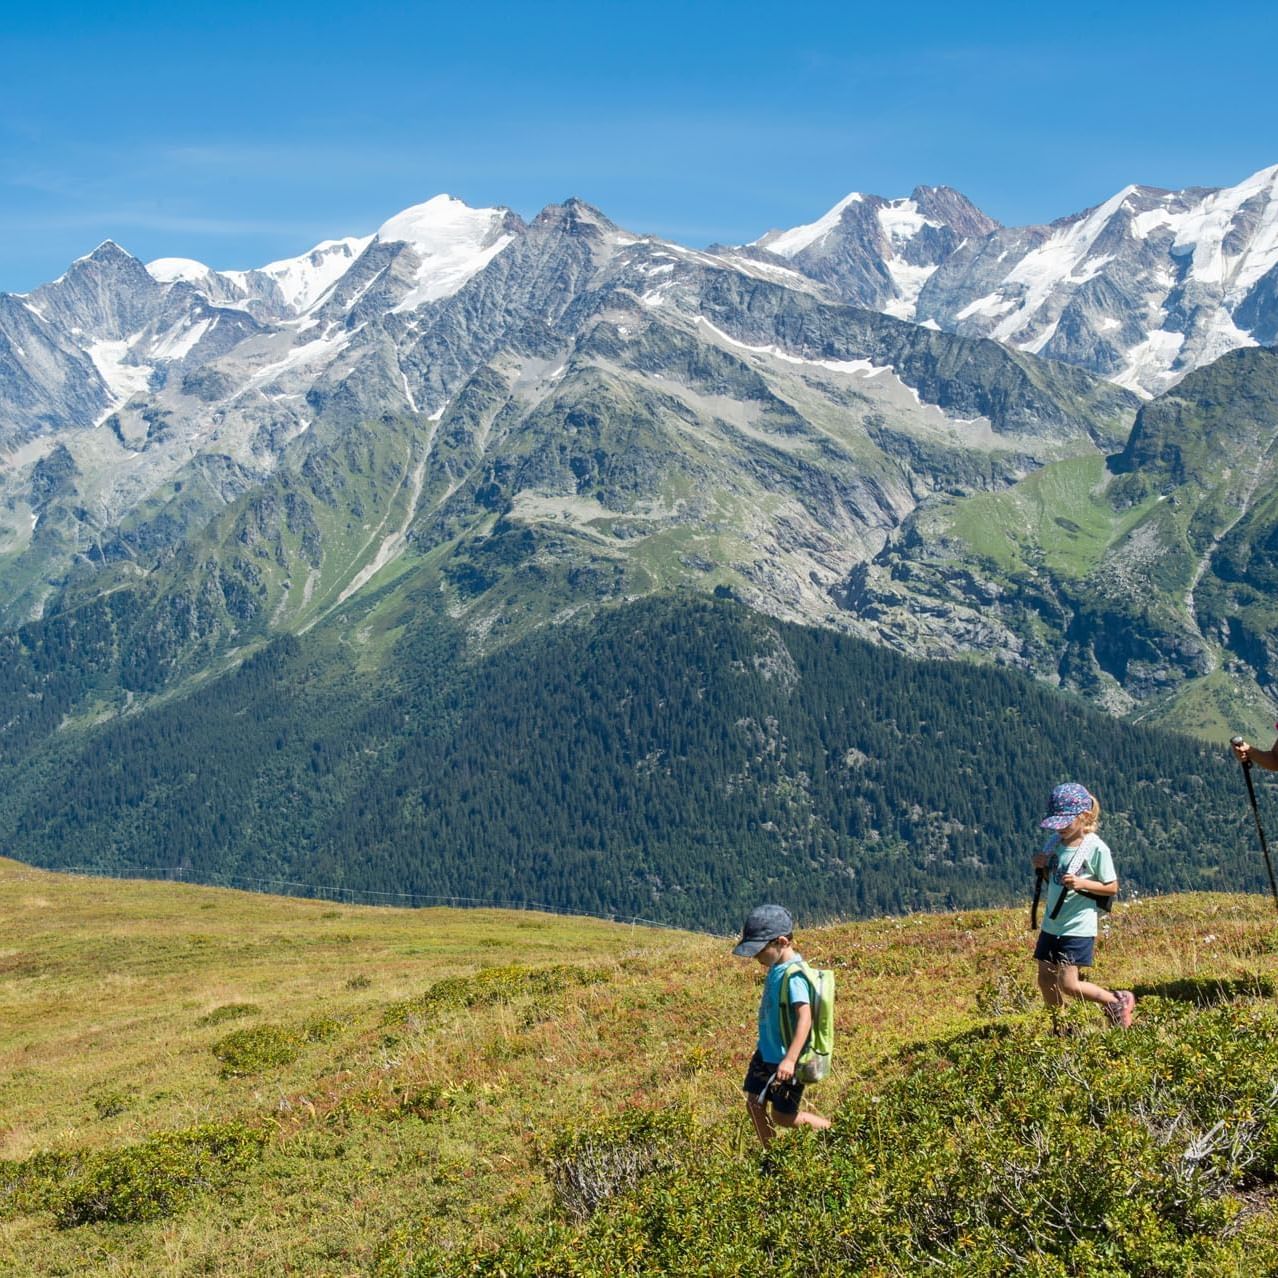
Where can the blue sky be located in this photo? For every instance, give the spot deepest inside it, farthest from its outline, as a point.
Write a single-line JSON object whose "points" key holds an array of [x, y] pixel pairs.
{"points": [[238, 133]]}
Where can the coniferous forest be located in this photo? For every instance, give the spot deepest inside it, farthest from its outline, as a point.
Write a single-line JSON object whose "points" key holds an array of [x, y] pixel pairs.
{"points": [[674, 759]]}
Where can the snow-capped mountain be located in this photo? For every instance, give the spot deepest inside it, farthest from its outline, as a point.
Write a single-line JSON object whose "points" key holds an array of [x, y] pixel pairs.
{"points": [[1140, 289], [528, 417], [279, 290], [137, 402], [880, 253], [443, 243], [109, 329]]}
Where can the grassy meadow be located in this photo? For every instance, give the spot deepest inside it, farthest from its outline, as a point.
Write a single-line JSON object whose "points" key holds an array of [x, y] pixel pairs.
{"points": [[203, 1081]]}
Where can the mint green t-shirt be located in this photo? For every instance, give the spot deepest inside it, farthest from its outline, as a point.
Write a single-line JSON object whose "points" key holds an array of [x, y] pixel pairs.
{"points": [[1091, 859]]}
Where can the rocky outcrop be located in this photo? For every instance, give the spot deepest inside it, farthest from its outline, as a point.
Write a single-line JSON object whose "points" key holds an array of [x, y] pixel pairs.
{"points": [[1177, 589]]}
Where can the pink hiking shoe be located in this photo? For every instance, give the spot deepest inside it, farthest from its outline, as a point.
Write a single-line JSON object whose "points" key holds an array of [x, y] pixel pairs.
{"points": [[1120, 1010]]}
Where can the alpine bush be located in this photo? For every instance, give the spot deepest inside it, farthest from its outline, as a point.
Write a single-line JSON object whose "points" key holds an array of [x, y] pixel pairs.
{"points": [[1004, 1151], [249, 1051], [488, 986], [228, 1012], [322, 1029], [159, 1176], [145, 1181], [590, 1165], [31, 1184], [111, 1104]]}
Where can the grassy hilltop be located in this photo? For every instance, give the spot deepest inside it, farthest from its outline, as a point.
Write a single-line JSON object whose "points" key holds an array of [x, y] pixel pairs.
{"points": [[201, 1081]]}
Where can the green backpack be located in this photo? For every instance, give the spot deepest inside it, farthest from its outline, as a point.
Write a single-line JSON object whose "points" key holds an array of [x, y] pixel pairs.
{"points": [[814, 1061]]}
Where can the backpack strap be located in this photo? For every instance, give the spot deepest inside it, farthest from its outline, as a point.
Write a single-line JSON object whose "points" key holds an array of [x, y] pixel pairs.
{"points": [[796, 967], [1091, 896], [1039, 876]]}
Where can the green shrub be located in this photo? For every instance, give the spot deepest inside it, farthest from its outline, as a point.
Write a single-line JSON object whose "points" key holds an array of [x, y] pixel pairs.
{"points": [[157, 1177], [322, 1029], [110, 1104], [229, 1012], [488, 986], [1003, 1151], [145, 1181], [249, 1051], [426, 1103], [32, 1184]]}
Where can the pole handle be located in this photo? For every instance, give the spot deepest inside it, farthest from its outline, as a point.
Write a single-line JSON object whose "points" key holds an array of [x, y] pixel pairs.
{"points": [[1246, 763]]}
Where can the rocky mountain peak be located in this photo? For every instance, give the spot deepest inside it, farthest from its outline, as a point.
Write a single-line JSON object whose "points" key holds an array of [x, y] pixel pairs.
{"points": [[108, 251], [105, 295], [879, 252], [108, 260], [573, 217], [952, 208]]}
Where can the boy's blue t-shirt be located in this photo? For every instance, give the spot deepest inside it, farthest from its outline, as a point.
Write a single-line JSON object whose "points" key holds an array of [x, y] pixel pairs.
{"points": [[771, 1045]]}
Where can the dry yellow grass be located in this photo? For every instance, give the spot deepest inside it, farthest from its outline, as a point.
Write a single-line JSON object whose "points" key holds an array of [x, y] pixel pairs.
{"points": [[103, 982], [432, 1126]]}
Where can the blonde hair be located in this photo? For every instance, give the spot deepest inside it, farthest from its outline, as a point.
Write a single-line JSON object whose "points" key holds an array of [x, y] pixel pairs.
{"points": [[1091, 818]]}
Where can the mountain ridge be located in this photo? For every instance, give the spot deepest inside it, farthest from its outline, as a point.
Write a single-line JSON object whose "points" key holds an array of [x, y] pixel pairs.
{"points": [[548, 416], [1118, 288]]}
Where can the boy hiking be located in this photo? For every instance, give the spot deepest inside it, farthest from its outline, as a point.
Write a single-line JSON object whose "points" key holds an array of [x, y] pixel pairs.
{"points": [[768, 937], [1080, 874]]}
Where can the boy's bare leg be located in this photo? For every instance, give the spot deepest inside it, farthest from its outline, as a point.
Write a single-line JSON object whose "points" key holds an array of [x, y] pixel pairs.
{"points": [[1049, 984], [802, 1119], [766, 1123]]}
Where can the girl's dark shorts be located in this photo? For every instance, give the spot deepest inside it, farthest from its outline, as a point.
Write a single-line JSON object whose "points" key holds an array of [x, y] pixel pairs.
{"points": [[784, 1097], [1075, 950]]}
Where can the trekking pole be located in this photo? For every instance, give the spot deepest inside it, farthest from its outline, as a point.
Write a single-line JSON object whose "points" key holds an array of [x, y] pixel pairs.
{"points": [[1255, 812], [1039, 876]]}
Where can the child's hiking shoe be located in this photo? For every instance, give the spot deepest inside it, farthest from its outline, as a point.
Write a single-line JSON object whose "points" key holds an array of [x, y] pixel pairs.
{"points": [[1120, 1010]]}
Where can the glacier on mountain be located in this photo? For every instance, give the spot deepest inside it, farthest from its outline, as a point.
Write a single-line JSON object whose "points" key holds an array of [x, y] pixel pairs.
{"points": [[452, 242], [1142, 288]]}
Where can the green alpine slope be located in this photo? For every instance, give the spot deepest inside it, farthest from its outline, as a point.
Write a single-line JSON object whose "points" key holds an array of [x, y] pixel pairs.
{"points": [[1144, 581], [673, 759]]}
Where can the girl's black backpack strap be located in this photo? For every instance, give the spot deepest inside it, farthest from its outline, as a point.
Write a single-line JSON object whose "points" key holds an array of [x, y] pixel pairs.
{"points": [[1105, 903]]}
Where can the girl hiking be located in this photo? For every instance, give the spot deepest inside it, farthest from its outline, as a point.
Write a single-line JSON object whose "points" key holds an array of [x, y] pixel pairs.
{"points": [[1079, 871]]}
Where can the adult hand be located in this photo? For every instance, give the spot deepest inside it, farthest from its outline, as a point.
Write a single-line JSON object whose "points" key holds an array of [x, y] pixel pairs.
{"points": [[1242, 750], [1039, 860]]}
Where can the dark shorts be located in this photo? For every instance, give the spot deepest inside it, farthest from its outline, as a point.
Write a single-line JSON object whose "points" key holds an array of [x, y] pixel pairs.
{"points": [[783, 1097], [1074, 950]]}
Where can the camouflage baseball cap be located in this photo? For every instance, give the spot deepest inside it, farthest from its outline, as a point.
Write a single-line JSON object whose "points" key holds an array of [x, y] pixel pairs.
{"points": [[764, 924]]}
